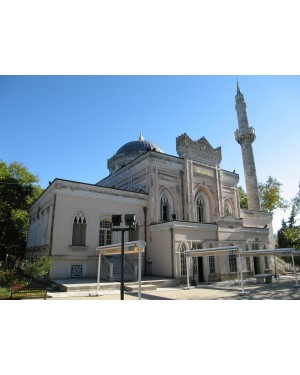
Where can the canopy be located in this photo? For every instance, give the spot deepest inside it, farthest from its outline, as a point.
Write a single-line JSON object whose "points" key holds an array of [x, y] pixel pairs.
{"points": [[129, 248], [235, 250]]}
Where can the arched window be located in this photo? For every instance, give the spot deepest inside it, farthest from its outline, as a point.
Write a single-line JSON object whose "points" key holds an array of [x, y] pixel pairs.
{"points": [[182, 260], [200, 209], [79, 229], [105, 232], [166, 206]]}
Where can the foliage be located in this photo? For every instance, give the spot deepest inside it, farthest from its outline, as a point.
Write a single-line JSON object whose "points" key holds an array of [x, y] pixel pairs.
{"points": [[11, 276], [289, 233], [18, 190], [37, 267], [270, 195], [243, 198]]}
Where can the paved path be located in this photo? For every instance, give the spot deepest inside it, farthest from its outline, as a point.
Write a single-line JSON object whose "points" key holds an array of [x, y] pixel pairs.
{"points": [[283, 289]]}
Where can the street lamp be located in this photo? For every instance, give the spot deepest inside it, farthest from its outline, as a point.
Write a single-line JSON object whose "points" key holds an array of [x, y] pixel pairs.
{"points": [[116, 222]]}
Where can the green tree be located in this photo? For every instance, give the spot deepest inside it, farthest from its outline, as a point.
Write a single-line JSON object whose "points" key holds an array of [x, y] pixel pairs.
{"points": [[289, 233], [18, 190], [37, 267], [243, 198], [270, 195]]}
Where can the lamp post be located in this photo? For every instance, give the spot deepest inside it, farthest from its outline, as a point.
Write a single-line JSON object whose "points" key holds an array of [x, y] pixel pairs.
{"points": [[116, 222]]}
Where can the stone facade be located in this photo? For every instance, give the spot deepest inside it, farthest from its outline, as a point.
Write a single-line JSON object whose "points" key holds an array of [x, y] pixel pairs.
{"points": [[181, 202]]}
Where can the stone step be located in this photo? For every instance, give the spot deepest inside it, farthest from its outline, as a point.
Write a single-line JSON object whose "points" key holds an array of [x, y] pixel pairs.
{"points": [[135, 288]]}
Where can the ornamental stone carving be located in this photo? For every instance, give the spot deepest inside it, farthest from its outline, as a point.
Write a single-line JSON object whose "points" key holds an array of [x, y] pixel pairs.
{"points": [[245, 135], [200, 149]]}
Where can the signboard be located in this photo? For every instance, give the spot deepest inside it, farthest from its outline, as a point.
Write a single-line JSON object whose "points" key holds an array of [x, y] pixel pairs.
{"points": [[129, 248]]}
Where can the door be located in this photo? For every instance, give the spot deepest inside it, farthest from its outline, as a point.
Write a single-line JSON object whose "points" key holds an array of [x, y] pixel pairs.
{"points": [[200, 269]]}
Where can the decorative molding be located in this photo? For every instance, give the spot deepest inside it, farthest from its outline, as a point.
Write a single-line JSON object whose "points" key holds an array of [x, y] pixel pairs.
{"points": [[200, 149], [245, 135], [78, 248]]}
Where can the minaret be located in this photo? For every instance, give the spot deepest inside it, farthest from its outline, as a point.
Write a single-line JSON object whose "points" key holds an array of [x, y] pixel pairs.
{"points": [[245, 136]]}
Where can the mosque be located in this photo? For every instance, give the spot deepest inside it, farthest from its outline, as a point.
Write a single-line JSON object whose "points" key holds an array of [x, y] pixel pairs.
{"points": [[181, 202]]}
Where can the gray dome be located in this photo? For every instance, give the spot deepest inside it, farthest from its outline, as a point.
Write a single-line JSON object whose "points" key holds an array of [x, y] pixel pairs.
{"points": [[138, 146], [129, 152]]}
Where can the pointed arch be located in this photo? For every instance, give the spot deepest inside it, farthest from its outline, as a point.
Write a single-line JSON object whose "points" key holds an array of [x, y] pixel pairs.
{"points": [[79, 229], [166, 206], [203, 206], [228, 210]]}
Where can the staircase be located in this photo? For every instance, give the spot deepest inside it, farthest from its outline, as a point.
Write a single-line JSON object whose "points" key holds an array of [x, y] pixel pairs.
{"points": [[115, 260]]}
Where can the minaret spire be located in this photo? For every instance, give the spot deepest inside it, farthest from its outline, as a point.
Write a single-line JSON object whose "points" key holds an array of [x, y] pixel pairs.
{"points": [[245, 136]]}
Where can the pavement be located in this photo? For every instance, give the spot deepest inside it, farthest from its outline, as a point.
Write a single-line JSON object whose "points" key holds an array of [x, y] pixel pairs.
{"points": [[283, 288]]}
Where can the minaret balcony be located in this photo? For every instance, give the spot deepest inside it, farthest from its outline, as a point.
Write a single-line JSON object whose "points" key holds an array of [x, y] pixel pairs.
{"points": [[245, 135]]}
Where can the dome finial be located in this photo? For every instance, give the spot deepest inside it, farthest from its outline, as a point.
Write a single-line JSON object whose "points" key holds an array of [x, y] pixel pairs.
{"points": [[141, 137]]}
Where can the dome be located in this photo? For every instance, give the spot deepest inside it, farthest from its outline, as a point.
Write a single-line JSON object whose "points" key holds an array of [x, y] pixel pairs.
{"points": [[139, 146], [131, 151]]}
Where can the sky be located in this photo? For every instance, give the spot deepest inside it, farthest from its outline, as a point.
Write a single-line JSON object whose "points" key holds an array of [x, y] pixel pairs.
{"points": [[65, 126], [78, 79]]}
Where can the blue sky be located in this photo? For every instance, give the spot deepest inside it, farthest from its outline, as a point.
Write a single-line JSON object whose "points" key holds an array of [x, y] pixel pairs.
{"points": [[68, 126]]}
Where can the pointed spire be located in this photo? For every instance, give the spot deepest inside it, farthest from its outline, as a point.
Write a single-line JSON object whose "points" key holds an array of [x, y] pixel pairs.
{"points": [[237, 85], [141, 137]]}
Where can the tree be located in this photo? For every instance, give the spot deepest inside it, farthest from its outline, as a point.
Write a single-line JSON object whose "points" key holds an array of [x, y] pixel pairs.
{"points": [[270, 195], [18, 190], [289, 233], [37, 267], [243, 198]]}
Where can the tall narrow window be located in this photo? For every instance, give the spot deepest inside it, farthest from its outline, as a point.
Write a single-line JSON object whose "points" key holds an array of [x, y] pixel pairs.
{"points": [[200, 209], [79, 230], [211, 262], [232, 262], [182, 260], [105, 232], [164, 208]]}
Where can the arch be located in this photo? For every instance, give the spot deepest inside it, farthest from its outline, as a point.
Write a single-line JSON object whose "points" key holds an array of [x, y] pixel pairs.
{"points": [[227, 208], [165, 205], [79, 229], [209, 204], [202, 205]]}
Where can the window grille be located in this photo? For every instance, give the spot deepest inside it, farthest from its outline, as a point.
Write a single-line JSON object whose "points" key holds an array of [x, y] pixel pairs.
{"points": [[182, 260]]}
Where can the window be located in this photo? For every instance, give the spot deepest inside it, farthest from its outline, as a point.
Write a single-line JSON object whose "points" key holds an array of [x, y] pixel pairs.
{"points": [[182, 260], [105, 232], [212, 266], [232, 262], [200, 209], [133, 235], [266, 263], [79, 230], [166, 206]]}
